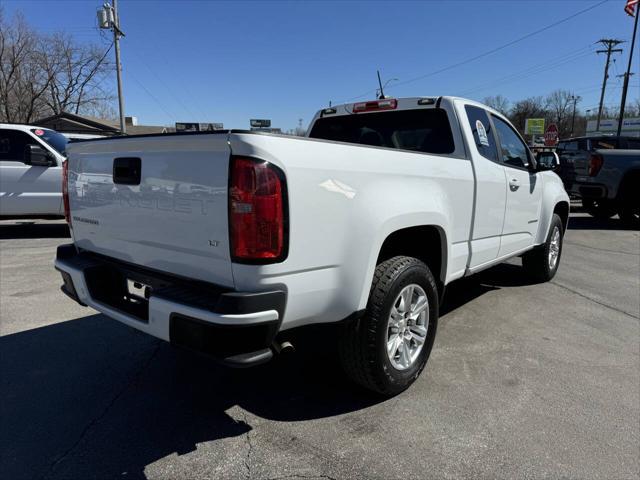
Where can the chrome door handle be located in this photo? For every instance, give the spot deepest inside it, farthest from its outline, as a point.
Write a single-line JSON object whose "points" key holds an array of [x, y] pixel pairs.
{"points": [[514, 184]]}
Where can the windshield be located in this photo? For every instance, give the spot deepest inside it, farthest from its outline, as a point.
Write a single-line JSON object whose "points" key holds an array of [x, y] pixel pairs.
{"points": [[421, 130], [52, 138]]}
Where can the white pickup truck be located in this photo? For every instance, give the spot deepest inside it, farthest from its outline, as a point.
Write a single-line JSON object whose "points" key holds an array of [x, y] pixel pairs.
{"points": [[228, 242], [31, 161]]}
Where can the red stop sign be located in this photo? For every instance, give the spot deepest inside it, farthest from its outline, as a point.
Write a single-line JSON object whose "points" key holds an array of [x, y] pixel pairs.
{"points": [[551, 135]]}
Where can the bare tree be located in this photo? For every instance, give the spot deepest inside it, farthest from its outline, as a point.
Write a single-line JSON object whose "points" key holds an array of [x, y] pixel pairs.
{"points": [[631, 109], [78, 72], [47, 74], [498, 103], [22, 82], [559, 104], [532, 107]]}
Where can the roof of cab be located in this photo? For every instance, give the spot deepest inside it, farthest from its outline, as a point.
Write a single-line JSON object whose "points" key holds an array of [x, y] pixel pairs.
{"points": [[20, 126], [405, 103]]}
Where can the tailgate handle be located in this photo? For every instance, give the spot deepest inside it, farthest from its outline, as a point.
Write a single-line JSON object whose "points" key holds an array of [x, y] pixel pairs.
{"points": [[126, 170]]}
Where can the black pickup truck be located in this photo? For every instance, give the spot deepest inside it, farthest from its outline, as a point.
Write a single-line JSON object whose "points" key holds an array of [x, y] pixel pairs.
{"points": [[605, 172]]}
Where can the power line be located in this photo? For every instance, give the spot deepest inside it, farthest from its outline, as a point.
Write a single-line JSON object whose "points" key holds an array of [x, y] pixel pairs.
{"points": [[488, 52], [155, 99], [184, 107], [534, 70]]}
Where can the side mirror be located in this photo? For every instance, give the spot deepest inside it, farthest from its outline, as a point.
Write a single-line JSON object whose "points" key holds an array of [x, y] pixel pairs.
{"points": [[37, 156], [547, 161]]}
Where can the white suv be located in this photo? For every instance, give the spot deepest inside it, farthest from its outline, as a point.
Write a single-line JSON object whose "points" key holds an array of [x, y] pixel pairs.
{"points": [[31, 171]]}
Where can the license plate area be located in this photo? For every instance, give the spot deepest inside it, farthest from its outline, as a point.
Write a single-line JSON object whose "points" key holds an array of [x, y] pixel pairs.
{"points": [[137, 291], [116, 289], [127, 288]]}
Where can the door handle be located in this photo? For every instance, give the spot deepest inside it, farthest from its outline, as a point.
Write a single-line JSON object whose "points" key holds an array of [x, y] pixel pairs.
{"points": [[514, 184]]}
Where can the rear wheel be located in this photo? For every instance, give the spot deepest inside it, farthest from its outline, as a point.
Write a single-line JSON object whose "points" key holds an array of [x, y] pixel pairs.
{"points": [[542, 262], [630, 214], [599, 208], [629, 208], [388, 347]]}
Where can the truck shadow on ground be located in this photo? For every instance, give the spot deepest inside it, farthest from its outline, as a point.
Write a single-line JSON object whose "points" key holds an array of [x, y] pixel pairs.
{"points": [[91, 398], [467, 289], [31, 229], [588, 222]]}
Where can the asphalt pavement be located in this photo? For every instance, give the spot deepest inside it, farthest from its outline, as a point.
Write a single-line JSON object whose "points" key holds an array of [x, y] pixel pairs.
{"points": [[524, 381]]}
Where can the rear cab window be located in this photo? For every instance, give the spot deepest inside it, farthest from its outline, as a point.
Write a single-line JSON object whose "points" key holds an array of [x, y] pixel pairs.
{"points": [[571, 146], [419, 130], [633, 143], [603, 143]]}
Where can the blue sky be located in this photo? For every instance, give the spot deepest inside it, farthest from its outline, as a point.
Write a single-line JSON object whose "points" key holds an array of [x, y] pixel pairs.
{"points": [[216, 61]]}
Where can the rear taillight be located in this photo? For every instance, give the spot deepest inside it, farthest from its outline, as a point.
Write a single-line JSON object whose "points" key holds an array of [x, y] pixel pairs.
{"points": [[65, 191], [595, 164], [387, 104], [256, 211]]}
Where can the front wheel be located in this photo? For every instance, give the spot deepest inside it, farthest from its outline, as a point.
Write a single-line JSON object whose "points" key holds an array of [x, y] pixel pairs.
{"points": [[388, 347], [542, 262]]}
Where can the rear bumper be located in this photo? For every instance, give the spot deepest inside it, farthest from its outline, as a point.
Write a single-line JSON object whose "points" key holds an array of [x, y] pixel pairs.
{"points": [[589, 190], [235, 327]]}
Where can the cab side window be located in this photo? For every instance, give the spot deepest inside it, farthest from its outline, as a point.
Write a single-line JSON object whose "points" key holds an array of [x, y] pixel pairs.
{"points": [[513, 151], [482, 132], [13, 144]]}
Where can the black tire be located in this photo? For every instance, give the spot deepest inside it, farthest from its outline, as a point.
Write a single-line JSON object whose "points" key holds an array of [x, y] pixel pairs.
{"points": [[363, 342], [600, 209], [629, 200], [536, 262], [630, 214]]}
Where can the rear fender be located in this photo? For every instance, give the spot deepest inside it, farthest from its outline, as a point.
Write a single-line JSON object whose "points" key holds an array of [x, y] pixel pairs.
{"points": [[401, 222]]}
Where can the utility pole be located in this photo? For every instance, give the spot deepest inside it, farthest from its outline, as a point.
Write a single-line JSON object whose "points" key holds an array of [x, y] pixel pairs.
{"points": [[575, 99], [109, 19], [625, 85], [117, 33], [610, 44]]}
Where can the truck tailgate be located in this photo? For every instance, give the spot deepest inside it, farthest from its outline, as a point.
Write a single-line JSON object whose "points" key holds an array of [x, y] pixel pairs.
{"points": [[170, 215]]}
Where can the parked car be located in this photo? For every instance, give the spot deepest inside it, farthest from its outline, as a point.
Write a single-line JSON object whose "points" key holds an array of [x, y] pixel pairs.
{"points": [[31, 161], [605, 172], [363, 222]]}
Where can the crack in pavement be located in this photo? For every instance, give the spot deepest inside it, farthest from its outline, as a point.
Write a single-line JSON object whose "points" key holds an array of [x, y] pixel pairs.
{"points": [[302, 476], [595, 301], [247, 458], [134, 378]]}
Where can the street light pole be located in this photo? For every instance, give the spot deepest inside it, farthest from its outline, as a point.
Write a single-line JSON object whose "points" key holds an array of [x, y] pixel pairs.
{"points": [[573, 117], [117, 33]]}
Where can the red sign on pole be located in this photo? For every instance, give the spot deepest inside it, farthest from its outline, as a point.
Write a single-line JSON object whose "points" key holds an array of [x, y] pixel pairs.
{"points": [[551, 135]]}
